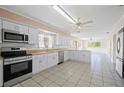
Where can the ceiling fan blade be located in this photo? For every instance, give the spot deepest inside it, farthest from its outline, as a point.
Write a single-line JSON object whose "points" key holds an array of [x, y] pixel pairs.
{"points": [[87, 22]]}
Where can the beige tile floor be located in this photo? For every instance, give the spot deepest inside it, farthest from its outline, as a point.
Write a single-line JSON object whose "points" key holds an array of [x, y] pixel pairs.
{"points": [[99, 72]]}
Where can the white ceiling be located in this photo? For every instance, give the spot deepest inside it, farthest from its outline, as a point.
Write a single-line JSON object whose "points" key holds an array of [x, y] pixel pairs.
{"points": [[104, 17]]}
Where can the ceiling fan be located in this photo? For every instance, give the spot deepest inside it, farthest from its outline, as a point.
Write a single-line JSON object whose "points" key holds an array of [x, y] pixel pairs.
{"points": [[79, 24], [64, 13]]}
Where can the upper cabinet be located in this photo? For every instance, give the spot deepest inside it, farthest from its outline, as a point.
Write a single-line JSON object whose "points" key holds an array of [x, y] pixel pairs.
{"points": [[0, 31], [15, 27], [33, 36]]}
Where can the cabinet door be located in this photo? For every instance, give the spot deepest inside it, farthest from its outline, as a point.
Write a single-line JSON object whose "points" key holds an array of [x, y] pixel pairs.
{"points": [[1, 73], [0, 31], [75, 55], [49, 62], [87, 57], [66, 56], [33, 36], [35, 64], [15, 27], [55, 59], [42, 62], [70, 55], [52, 59], [82, 56]]}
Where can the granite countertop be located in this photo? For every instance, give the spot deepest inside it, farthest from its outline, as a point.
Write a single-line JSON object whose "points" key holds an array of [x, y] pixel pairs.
{"points": [[38, 51], [47, 51]]}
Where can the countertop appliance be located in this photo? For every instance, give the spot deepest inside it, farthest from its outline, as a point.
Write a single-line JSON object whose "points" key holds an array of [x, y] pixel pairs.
{"points": [[17, 66], [120, 53], [61, 57], [14, 36]]}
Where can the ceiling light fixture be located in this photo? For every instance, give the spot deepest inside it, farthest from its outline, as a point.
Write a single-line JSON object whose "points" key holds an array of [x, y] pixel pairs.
{"points": [[79, 27], [63, 13]]}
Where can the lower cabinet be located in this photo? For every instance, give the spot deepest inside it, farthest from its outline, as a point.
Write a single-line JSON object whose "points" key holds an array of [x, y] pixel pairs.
{"points": [[42, 62], [72, 55], [82, 56], [35, 64], [52, 59], [1, 73], [66, 55], [85, 56], [39, 63]]}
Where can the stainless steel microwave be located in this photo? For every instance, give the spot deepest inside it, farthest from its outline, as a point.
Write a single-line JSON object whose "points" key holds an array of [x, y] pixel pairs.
{"points": [[13, 36]]}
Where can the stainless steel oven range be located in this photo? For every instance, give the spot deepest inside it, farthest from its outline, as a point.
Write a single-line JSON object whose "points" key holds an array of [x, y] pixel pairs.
{"points": [[17, 66]]}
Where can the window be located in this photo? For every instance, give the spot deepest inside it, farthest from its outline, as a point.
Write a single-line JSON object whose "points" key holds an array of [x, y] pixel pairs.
{"points": [[75, 44], [41, 41], [94, 44], [50, 43], [46, 40]]}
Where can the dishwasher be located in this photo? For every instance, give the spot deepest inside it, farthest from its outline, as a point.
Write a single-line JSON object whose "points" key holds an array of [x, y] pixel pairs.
{"points": [[61, 57]]}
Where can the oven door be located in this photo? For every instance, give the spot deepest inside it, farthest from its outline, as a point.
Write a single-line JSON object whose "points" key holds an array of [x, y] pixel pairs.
{"points": [[12, 37], [12, 71]]}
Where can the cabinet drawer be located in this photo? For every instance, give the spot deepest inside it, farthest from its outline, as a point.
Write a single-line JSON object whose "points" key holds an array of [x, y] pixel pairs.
{"points": [[16, 27]]}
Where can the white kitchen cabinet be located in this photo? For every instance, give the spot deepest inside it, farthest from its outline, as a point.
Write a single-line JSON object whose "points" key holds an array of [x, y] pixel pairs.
{"points": [[39, 63], [66, 55], [15, 27], [71, 55], [42, 62], [52, 59], [0, 31], [1, 73], [85, 56], [55, 58], [76, 55], [82, 56], [33, 36], [35, 64]]}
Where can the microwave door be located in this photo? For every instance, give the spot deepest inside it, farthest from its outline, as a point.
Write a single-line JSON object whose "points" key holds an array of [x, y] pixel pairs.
{"points": [[12, 37]]}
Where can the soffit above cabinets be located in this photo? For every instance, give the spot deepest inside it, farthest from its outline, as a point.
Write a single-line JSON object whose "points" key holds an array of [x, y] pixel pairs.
{"points": [[104, 17]]}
